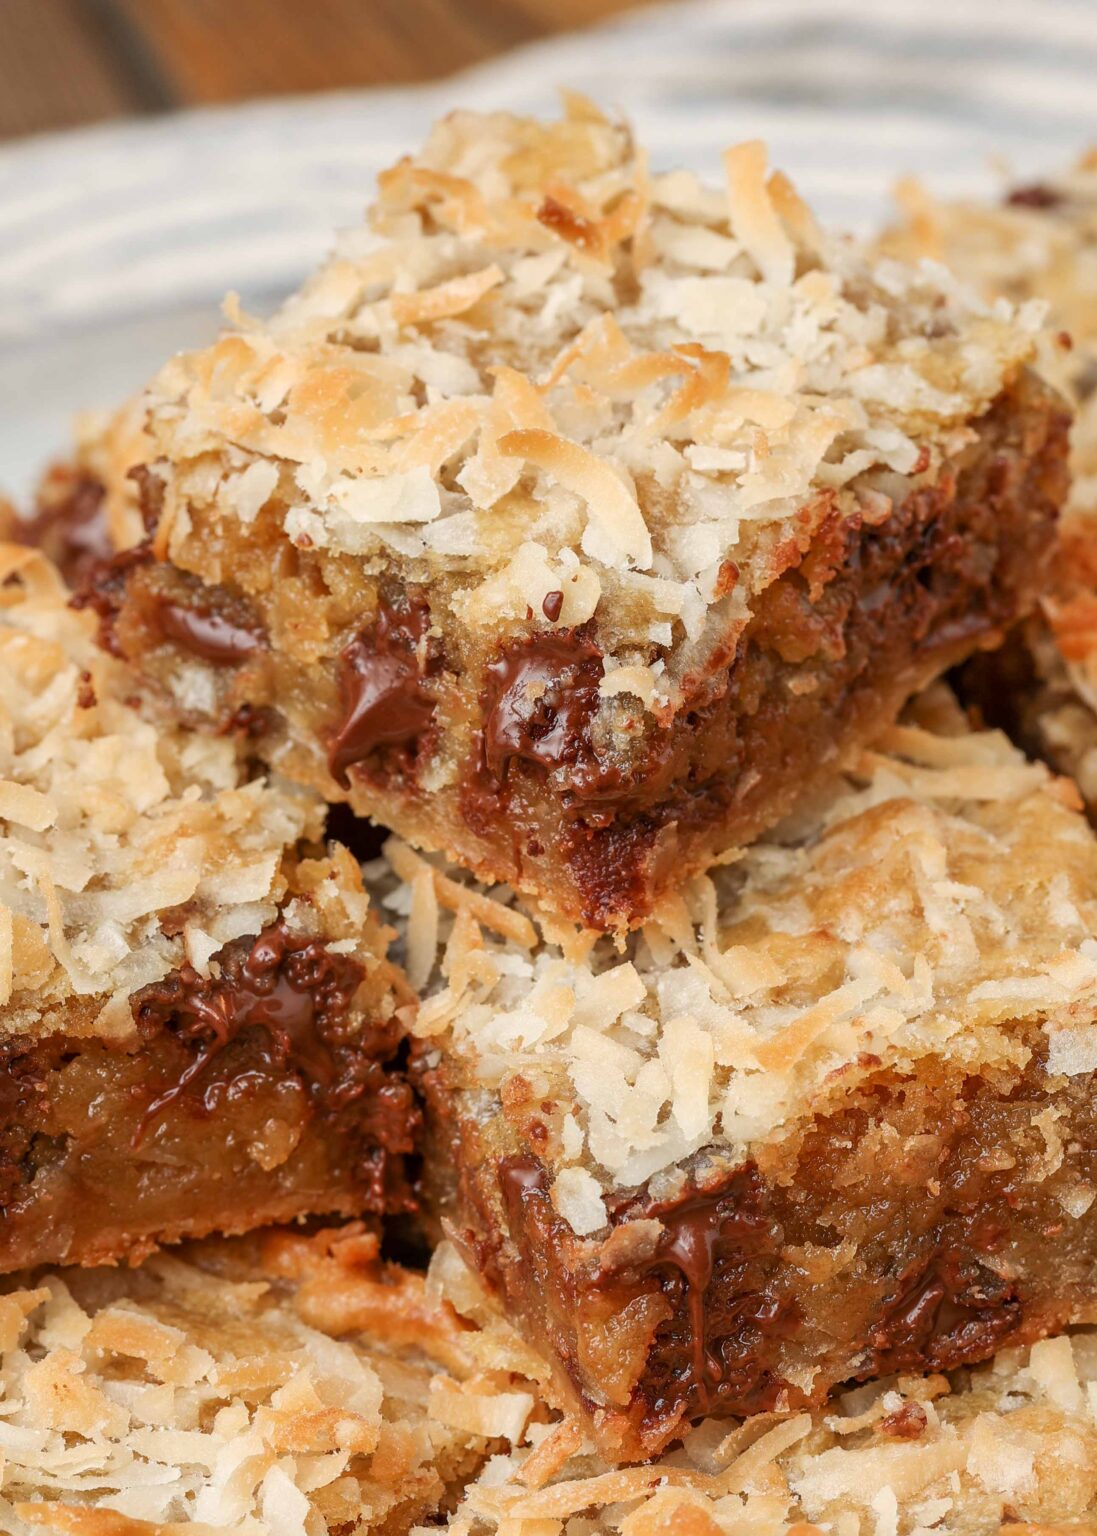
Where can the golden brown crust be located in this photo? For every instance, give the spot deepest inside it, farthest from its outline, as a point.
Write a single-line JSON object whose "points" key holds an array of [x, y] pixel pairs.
{"points": [[1039, 244], [887, 920], [353, 1427], [590, 804], [1008, 1447]]}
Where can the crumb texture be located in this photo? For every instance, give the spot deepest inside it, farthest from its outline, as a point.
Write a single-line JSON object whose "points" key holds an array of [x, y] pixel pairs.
{"points": [[1039, 244]]}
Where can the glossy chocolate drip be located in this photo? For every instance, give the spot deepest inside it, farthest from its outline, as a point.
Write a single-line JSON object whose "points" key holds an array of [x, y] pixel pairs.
{"points": [[688, 1245], [292, 994], [540, 700], [205, 633], [715, 1255], [381, 674], [70, 524]]}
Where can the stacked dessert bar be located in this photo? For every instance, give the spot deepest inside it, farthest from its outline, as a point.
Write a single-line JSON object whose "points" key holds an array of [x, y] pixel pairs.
{"points": [[722, 1009], [579, 522], [200, 1028]]}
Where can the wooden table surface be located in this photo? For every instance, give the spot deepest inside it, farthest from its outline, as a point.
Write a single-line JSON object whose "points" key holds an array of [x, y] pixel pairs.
{"points": [[67, 62]]}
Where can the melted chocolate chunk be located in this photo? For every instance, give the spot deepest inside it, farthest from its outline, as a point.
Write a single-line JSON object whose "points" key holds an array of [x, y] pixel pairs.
{"points": [[103, 590], [70, 524], [719, 1357], [292, 996], [540, 700], [381, 676], [1036, 195], [948, 1310], [205, 633]]}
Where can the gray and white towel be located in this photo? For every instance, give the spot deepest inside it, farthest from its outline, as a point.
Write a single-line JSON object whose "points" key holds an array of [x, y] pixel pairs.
{"points": [[117, 242]]}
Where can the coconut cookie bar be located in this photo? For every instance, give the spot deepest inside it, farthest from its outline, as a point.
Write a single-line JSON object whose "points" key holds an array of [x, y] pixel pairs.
{"points": [[274, 1386], [198, 1026], [575, 521], [1040, 243], [830, 1116]]}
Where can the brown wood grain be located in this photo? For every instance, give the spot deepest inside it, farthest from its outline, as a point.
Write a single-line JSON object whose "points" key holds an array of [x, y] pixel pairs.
{"points": [[213, 51], [64, 62], [58, 68]]}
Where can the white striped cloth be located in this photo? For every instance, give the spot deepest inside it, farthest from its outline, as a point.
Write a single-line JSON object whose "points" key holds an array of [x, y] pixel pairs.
{"points": [[122, 226], [848, 93]]}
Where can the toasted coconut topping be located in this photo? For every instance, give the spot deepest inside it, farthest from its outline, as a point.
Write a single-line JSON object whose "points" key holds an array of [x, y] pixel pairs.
{"points": [[128, 850], [1010, 1445], [274, 1386], [1038, 245], [940, 901], [543, 369]]}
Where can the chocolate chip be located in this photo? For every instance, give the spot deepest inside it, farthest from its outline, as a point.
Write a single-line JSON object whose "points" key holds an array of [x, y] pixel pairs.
{"points": [[206, 633], [103, 590], [381, 677], [539, 702], [1035, 195], [551, 605], [949, 1309], [287, 990], [70, 524], [723, 1224]]}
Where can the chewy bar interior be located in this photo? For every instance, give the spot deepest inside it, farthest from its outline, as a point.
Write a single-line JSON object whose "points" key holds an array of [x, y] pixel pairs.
{"points": [[199, 1029], [573, 520], [1007, 1447], [1039, 242], [280, 1385], [829, 1117], [296, 1385]]}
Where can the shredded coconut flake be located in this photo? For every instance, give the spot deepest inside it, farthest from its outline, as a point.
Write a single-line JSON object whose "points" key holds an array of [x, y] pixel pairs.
{"points": [[890, 924], [538, 346]]}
